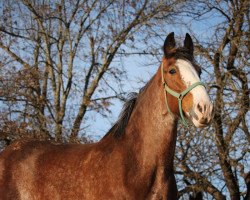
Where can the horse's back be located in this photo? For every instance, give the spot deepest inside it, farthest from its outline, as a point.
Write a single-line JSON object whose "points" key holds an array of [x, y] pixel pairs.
{"points": [[42, 170]]}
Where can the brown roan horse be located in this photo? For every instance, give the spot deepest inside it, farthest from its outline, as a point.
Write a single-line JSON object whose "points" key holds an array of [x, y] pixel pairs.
{"points": [[133, 161]]}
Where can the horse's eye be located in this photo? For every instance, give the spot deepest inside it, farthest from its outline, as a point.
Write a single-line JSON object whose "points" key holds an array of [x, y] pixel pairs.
{"points": [[172, 71]]}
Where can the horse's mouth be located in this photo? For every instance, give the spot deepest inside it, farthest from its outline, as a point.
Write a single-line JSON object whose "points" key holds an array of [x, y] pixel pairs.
{"points": [[193, 118]]}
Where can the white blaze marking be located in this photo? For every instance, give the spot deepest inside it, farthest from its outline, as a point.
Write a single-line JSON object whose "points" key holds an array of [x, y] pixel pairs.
{"points": [[189, 77]]}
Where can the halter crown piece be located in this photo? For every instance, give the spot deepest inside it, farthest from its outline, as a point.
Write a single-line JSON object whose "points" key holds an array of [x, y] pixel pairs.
{"points": [[179, 96]]}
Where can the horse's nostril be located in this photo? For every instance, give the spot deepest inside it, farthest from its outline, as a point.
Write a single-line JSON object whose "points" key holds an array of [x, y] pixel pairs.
{"points": [[199, 107]]}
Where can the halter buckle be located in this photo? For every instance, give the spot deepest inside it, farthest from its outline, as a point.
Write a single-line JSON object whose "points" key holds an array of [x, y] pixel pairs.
{"points": [[180, 97]]}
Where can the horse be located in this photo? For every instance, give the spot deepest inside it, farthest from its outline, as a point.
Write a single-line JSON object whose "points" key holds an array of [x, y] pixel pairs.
{"points": [[134, 160]]}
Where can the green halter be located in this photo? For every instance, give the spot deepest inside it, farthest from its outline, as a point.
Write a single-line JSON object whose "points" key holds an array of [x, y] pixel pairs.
{"points": [[179, 96]]}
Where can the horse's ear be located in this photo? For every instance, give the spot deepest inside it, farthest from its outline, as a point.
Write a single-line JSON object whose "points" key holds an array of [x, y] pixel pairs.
{"points": [[188, 44], [169, 45]]}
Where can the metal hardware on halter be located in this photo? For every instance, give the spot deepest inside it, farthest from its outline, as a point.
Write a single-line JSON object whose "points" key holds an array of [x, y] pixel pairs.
{"points": [[179, 96]]}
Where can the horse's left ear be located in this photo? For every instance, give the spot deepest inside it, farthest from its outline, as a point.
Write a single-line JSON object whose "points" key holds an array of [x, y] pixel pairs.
{"points": [[188, 44]]}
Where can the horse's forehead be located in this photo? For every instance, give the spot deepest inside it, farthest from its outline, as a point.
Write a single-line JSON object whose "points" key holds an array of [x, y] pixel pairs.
{"points": [[187, 71]]}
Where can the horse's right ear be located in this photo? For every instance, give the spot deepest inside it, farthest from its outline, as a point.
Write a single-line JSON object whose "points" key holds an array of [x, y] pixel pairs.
{"points": [[188, 44], [169, 45]]}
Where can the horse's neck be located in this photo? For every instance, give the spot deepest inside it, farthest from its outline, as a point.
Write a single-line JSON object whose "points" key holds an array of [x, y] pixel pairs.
{"points": [[151, 131]]}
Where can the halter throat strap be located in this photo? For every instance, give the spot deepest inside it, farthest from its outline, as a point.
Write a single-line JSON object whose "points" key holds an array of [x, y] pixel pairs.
{"points": [[177, 95]]}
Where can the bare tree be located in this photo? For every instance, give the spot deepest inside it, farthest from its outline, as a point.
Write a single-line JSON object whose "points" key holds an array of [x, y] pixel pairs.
{"points": [[60, 58], [216, 161]]}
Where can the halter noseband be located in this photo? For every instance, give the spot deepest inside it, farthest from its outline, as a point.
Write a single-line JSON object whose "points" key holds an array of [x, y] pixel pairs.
{"points": [[179, 96]]}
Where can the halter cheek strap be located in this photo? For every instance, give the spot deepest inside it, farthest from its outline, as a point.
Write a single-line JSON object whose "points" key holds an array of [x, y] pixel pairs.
{"points": [[179, 96]]}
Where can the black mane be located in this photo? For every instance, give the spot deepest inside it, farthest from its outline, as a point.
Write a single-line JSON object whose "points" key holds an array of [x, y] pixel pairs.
{"points": [[183, 53], [118, 129]]}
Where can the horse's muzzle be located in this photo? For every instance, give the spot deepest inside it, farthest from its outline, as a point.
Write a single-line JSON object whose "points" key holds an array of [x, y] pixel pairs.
{"points": [[201, 114]]}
